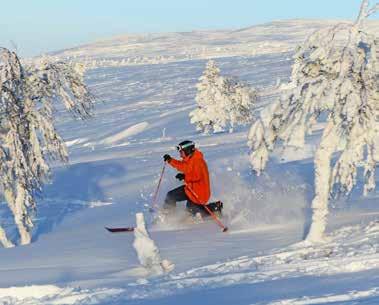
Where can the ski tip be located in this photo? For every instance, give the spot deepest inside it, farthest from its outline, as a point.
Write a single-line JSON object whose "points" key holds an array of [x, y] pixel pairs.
{"points": [[225, 229], [118, 230]]}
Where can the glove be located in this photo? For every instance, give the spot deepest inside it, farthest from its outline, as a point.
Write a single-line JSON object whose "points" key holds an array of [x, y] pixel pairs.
{"points": [[180, 176], [167, 157]]}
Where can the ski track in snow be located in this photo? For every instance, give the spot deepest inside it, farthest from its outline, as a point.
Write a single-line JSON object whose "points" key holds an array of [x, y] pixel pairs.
{"points": [[115, 161]]}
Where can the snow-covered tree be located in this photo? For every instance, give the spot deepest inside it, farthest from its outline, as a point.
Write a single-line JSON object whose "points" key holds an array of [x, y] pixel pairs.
{"points": [[207, 94], [221, 102], [334, 82], [147, 251], [238, 107], [28, 137]]}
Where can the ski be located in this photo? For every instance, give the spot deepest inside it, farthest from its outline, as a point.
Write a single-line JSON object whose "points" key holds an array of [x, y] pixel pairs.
{"points": [[120, 229], [212, 209]]}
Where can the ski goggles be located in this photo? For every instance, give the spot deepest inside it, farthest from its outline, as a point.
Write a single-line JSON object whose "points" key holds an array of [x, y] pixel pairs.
{"points": [[181, 147]]}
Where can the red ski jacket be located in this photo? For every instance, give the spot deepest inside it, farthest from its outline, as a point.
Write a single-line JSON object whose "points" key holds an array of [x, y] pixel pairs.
{"points": [[196, 177]]}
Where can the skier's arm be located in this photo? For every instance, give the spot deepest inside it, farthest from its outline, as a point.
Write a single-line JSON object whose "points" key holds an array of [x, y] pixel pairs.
{"points": [[181, 166]]}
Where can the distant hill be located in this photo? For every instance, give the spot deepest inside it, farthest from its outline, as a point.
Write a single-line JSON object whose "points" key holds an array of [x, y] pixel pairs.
{"points": [[274, 37]]}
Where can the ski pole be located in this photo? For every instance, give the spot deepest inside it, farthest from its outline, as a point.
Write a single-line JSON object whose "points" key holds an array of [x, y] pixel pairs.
{"points": [[218, 221], [153, 205], [224, 229]]}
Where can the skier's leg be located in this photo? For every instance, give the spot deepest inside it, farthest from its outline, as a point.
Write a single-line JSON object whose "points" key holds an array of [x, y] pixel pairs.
{"points": [[216, 207], [173, 197], [194, 208]]}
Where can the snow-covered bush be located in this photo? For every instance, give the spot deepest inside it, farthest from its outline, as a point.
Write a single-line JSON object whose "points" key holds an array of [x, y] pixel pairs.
{"points": [[147, 251], [334, 82], [221, 102], [28, 137]]}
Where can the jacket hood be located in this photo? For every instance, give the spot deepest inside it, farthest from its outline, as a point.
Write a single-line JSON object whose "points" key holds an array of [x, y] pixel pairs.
{"points": [[196, 155]]}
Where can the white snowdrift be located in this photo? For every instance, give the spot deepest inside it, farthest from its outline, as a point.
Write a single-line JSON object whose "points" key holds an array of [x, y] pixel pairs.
{"points": [[75, 142], [29, 291], [351, 296], [50, 294], [123, 135]]}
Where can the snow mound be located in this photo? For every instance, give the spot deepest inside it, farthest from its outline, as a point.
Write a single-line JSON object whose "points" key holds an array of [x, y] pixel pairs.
{"points": [[29, 291], [97, 204], [122, 135], [147, 251], [75, 142]]}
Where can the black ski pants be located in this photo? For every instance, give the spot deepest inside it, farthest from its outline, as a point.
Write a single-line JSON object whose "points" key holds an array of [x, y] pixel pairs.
{"points": [[179, 194]]}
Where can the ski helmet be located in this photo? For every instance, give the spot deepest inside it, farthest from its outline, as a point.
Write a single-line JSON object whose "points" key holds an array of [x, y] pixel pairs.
{"points": [[187, 146]]}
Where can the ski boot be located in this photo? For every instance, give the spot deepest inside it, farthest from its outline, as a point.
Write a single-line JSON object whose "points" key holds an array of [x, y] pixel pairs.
{"points": [[216, 207]]}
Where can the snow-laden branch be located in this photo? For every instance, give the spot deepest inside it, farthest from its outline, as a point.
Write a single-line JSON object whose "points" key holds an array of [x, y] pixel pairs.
{"points": [[28, 136], [365, 11], [373, 10]]}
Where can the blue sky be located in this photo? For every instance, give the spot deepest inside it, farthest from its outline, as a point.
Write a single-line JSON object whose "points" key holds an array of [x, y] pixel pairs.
{"points": [[38, 26]]}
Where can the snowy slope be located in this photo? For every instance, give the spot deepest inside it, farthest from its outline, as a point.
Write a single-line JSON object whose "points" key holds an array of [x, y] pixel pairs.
{"points": [[115, 163]]}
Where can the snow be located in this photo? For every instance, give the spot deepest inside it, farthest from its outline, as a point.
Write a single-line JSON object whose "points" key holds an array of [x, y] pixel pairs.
{"points": [[31, 291], [97, 204], [261, 260], [161, 48], [122, 135], [75, 142], [147, 251], [50, 294], [351, 296]]}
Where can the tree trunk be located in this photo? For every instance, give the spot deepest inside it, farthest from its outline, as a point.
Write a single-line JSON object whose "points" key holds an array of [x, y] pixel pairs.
{"points": [[18, 214], [323, 171], [4, 239]]}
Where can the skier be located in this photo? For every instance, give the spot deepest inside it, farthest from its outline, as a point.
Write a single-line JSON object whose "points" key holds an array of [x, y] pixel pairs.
{"points": [[196, 189]]}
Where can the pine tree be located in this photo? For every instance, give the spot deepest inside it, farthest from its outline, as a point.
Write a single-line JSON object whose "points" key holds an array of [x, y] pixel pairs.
{"points": [[207, 95], [240, 101], [222, 102], [334, 81], [28, 138]]}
